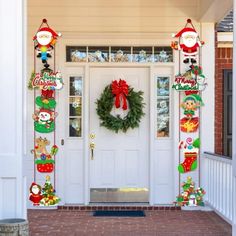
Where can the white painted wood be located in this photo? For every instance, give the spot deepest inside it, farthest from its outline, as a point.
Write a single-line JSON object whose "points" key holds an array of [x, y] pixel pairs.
{"points": [[220, 184], [11, 90], [234, 123], [208, 95], [70, 158], [163, 168], [120, 160], [113, 16], [214, 10]]}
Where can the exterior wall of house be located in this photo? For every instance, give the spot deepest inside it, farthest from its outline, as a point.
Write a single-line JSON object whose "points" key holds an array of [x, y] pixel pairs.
{"points": [[223, 60]]}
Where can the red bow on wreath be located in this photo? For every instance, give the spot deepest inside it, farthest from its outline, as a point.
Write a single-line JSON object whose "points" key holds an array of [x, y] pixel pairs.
{"points": [[120, 90]]}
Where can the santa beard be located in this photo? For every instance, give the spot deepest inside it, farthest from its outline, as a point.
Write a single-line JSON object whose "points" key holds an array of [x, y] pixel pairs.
{"points": [[190, 42]]}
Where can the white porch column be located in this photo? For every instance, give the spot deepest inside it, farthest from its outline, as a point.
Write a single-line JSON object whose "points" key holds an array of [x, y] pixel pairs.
{"points": [[234, 123], [12, 197]]}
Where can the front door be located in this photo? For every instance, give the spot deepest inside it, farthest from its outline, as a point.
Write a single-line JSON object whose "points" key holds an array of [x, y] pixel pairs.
{"points": [[120, 164]]}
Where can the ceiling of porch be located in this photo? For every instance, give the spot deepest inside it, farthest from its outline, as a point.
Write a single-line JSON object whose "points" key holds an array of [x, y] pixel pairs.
{"points": [[142, 16]]}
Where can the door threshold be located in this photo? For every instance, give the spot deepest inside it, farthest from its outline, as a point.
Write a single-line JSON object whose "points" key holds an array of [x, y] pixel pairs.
{"points": [[120, 206]]}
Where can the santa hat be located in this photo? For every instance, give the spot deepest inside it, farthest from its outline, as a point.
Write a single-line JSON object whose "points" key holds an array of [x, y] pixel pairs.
{"points": [[49, 31], [46, 110], [185, 31]]}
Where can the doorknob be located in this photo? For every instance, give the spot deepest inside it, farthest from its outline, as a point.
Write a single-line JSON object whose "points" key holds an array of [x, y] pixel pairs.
{"points": [[92, 146]]}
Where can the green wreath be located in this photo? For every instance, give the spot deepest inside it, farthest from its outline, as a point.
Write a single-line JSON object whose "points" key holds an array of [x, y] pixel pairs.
{"points": [[115, 123]]}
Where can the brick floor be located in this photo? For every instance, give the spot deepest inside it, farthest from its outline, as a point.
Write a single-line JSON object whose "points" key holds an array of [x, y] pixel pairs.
{"points": [[156, 223]]}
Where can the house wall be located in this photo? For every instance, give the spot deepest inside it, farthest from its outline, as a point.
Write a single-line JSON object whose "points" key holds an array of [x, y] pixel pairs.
{"points": [[223, 60]]}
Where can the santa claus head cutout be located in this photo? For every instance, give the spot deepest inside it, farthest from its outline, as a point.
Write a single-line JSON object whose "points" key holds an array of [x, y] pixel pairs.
{"points": [[189, 42]]}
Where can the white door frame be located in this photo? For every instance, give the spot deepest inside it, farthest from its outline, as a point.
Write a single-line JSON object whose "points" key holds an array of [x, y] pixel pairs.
{"points": [[152, 123]]}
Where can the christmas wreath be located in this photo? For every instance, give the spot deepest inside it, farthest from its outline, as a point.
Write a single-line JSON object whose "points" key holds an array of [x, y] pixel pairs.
{"points": [[114, 94]]}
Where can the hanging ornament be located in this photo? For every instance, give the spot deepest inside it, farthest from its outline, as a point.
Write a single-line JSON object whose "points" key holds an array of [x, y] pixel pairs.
{"points": [[192, 80], [44, 161], [35, 194], [47, 81], [190, 196], [44, 120], [45, 39], [190, 104], [48, 192], [46, 100], [190, 150], [189, 44]]}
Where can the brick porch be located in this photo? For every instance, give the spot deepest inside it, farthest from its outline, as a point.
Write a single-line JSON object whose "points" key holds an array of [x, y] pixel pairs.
{"points": [[157, 222]]}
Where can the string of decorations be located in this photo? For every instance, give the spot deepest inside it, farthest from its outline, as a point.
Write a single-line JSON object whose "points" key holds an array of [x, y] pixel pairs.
{"points": [[190, 84], [47, 81]]}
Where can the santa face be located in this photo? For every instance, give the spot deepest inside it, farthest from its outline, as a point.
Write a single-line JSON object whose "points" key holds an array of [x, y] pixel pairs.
{"points": [[44, 38], [44, 116], [35, 189], [189, 39]]}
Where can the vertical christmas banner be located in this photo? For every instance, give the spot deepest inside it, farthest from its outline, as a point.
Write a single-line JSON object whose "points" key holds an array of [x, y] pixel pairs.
{"points": [[45, 81]]}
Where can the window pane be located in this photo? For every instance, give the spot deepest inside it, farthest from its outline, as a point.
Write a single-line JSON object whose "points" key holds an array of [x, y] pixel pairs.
{"points": [[142, 54], [163, 107], [163, 54], [98, 54], [120, 54], [75, 106], [75, 128], [76, 54], [76, 86]]}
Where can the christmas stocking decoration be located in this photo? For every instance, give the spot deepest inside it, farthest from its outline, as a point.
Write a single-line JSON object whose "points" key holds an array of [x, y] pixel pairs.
{"points": [[190, 162]]}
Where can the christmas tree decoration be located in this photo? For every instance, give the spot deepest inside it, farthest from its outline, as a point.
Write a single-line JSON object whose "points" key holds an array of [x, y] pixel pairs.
{"points": [[191, 148], [190, 42], [190, 196], [48, 193], [35, 194], [44, 161], [45, 39], [191, 81], [44, 120], [46, 80], [131, 103]]}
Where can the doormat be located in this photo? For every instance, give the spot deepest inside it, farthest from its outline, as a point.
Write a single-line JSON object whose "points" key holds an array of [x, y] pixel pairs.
{"points": [[119, 214]]}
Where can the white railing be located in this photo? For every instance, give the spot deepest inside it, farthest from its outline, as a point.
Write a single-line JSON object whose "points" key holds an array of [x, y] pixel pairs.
{"points": [[217, 180]]}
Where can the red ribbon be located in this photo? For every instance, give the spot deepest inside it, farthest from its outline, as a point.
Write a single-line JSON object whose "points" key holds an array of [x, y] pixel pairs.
{"points": [[120, 90]]}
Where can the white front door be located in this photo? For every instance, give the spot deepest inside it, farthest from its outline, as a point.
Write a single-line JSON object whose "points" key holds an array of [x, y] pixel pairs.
{"points": [[121, 160]]}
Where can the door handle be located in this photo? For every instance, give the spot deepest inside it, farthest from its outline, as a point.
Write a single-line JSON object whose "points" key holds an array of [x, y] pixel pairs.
{"points": [[62, 142], [92, 146]]}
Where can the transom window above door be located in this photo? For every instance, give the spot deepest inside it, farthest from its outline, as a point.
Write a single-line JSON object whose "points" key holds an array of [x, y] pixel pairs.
{"points": [[125, 54]]}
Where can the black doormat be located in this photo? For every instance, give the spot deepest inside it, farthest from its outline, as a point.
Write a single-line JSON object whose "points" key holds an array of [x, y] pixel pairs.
{"points": [[119, 214]]}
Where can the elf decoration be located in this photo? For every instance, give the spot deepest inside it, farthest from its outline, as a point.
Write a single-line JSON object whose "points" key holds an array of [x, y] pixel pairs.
{"points": [[120, 107], [45, 39], [190, 150], [189, 44], [190, 104], [190, 196], [45, 82], [44, 161]]}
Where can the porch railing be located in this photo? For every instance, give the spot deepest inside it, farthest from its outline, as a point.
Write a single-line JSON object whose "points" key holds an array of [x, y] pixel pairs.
{"points": [[217, 180]]}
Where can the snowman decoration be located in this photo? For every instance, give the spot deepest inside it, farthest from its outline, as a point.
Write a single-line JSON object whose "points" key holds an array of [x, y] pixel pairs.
{"points": [[190, 43]]}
